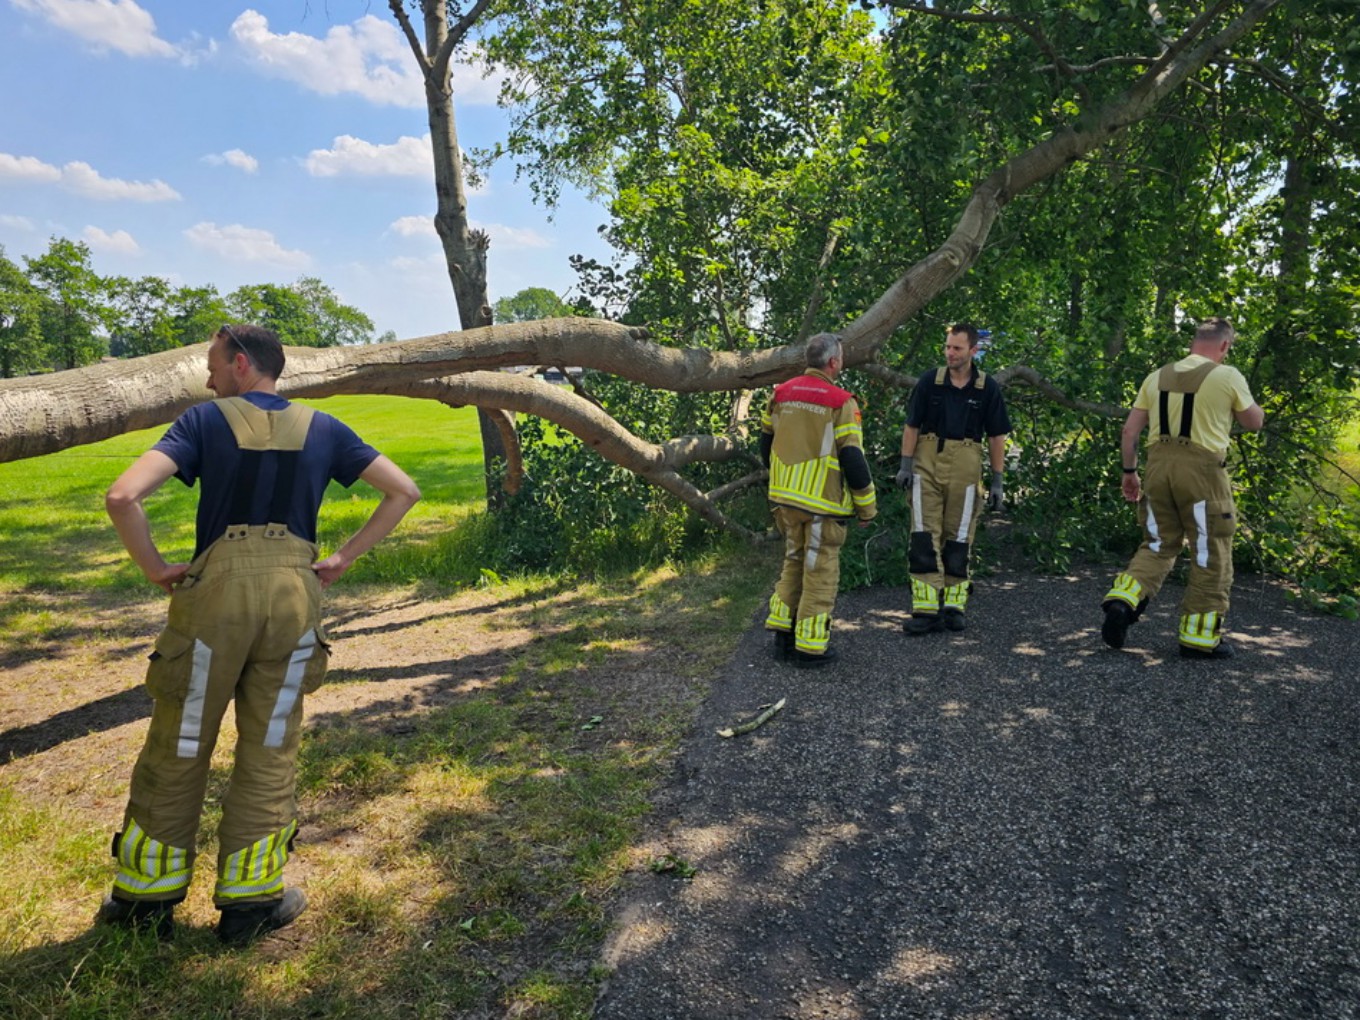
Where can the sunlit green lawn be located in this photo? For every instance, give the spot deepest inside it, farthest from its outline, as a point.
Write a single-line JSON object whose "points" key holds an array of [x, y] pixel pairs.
{"points": [[54, 534]]}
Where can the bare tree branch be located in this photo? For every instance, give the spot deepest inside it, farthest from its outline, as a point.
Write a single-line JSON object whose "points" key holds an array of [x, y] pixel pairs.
{"points": [[1023, 373], [412, 40], [939, 269], [525, 395]]}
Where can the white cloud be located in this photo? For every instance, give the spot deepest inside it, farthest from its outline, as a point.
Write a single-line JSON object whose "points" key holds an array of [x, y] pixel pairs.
{"points": [[369, 58], [119, 25], [85, 180], [233, 157], [414, 226], [406, 157], [120, 241], [15, 222], [26, 168], [245, 244]]}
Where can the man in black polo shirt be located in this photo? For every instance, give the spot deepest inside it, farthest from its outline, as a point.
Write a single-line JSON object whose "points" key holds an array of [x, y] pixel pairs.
{"points": [[954, 409]]}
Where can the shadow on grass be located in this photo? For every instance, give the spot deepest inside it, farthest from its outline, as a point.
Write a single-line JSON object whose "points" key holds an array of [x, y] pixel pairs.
{"points": [[101, 714], [491, 811]]}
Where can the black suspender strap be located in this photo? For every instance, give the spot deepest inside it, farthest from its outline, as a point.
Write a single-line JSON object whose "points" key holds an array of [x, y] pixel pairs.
{"points": [[1187, 414], [243, 489], [1164, 412], [248, 482], [284, 480]]}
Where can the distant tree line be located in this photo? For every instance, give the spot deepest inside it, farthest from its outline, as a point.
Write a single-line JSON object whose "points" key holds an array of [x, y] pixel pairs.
{"points": [[57, 313]]}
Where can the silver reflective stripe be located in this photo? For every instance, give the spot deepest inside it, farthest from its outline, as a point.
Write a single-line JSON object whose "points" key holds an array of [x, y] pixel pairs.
{"points": [[829, 440], [1154, 536], [191, 723], [814, 544], [1202, 538], [288, 693], [916, 524], [969, 498]]}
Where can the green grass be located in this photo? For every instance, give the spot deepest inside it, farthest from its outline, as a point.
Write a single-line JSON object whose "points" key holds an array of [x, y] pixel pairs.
{"points": [[494, 830], [491, 826], [55, 536], [1348, 459]]}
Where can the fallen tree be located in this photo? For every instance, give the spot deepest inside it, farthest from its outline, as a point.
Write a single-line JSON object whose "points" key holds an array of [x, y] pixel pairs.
{"points": [[43, 414]]}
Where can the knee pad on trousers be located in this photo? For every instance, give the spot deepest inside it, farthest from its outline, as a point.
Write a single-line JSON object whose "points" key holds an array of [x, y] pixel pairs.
{"points": [[956, 558], [921, 557]]}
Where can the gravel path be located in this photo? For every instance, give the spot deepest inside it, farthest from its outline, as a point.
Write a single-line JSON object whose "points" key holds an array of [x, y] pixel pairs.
{"points": [[1014, 822]]}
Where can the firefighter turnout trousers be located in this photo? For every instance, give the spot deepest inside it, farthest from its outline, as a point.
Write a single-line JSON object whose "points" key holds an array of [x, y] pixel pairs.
{"points": [[244, 627], [946, 502], [1187, 501], [805, 594]]}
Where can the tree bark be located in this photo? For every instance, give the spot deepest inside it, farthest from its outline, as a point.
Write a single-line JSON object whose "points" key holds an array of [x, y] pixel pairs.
{"points": [[465, 249]]}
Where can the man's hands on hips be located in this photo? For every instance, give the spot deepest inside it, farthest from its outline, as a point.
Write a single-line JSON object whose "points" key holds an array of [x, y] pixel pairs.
{"points": [[330, 570], [168, 576]]}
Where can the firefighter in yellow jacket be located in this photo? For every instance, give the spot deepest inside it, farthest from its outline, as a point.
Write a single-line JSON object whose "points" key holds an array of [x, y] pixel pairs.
{"points": [[1191, 405], [811, 442]]}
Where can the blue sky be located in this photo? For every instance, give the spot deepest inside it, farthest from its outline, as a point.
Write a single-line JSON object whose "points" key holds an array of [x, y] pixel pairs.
{"points": [[225, 143]]}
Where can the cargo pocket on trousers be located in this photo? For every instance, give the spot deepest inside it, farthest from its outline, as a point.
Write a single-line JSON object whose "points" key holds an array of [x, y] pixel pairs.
{"points": [[171, 662], [1220, 518], [314, 673]]}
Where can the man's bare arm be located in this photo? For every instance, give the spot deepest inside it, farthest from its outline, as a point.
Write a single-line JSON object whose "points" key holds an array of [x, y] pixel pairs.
{"points": [[123, 502], [399, 492]]}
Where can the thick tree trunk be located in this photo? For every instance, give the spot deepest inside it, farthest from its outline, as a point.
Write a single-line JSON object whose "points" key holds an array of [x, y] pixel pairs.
{"points": [[465, 249]]}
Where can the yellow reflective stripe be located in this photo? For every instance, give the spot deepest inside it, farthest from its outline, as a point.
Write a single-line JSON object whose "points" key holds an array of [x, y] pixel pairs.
{"points": [[956, 596], [924, 597], [867, 499], [257, 869], [146, 865], [1200, 630], [851, 429], [804, 485], [781, 616], [1125, 589], [813, 633]]}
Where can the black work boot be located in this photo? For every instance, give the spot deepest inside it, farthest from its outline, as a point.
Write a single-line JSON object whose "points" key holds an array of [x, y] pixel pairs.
{"points": [[239, 925], [953, 619], [783, 645], [806, 660], [923, 623], [156, 916], [1118, 618], [1222, 650]]}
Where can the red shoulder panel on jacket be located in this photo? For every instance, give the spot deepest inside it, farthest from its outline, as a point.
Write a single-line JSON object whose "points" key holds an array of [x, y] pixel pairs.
{"points": [[810, 390]]}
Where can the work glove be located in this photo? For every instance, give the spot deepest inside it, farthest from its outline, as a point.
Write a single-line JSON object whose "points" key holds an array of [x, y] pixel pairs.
{"points": [[904, 473], [996, 495]]}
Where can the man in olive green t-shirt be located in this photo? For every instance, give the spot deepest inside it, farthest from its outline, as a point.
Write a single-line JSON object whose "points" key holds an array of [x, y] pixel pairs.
{"points": [[1188, 500]]}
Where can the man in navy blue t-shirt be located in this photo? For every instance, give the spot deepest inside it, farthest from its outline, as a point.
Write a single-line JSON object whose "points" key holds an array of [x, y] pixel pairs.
{"points": [[244, 627]]}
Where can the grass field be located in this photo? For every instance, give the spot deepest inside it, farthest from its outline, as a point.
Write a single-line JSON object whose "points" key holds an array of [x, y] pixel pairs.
{"points": [[54, 534], [473, 781]]}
